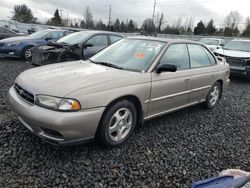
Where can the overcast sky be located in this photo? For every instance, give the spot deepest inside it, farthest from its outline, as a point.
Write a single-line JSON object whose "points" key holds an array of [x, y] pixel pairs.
{"points": [[137, 10]]}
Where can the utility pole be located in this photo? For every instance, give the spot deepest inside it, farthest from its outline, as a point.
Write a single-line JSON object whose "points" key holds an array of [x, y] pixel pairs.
{"points": [[67, 19], [61, 13], [154, 11], [109, 16]]}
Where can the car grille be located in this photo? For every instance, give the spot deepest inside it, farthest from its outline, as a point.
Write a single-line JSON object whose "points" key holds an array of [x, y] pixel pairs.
{"points": [[234, 61], [1, 44], [27, 96]]}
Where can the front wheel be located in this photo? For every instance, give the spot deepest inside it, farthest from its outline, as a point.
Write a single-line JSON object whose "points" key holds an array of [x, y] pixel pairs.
{"points": [[213, 96], [117, 124], [27, 53]]}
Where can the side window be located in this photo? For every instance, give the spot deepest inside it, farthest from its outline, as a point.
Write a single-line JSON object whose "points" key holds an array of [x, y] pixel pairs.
{"points": [[55, 35], [211, 57], [99, 40], [67, 33], [114, 38], [176, 54], [198, 56]]}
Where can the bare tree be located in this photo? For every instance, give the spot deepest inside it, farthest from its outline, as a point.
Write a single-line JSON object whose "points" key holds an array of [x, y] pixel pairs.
{"points": [[148, 25], [88, 16], [160, 22], [233, 19], [179, 22]]}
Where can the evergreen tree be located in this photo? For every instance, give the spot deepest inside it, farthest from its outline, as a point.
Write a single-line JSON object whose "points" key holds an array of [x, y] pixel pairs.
{"points": [[211, 29], [82, 24], [200, 28], [56, 20], [228, 32], [117, 25], [23, 14], [131, 26], [123, 27], [100, 25], [76, 25]]}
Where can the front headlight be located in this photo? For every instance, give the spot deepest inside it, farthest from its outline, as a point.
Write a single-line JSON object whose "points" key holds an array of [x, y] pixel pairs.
{"points": [[57, 103], [13, 44]]}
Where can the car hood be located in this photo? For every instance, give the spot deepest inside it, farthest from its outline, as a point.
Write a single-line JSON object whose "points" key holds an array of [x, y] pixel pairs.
{"points": [[64, 78], [233, 53], [212, 47], [16, 39]]}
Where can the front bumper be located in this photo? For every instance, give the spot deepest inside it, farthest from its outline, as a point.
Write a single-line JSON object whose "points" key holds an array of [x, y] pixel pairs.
{"points": [[244, 71], [10, 52], [226, 84], [60, 128]]}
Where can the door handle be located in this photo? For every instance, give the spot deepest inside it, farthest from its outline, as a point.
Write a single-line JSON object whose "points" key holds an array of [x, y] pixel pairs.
{"points": [[187, 79]]}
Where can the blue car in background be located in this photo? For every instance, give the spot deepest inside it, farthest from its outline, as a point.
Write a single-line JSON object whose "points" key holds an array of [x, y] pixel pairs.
{"points": [[21, 46]]}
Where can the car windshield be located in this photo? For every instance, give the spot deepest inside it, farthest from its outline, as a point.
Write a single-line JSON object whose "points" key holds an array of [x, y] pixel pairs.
{"points": [[130, 54], [74, 38], [238, 46], [210, 41], [39, 34]]}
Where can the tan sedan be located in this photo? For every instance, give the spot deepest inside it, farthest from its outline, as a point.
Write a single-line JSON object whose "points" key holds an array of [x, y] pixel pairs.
{"points": [[105, 97]]}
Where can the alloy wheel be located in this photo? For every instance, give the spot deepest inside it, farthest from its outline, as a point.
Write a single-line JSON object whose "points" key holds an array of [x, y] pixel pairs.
{"points": [[120, 124], [214, 95]]}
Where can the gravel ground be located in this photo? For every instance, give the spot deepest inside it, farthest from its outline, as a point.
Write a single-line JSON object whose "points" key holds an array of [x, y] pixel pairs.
{"points": [[170, 151]]}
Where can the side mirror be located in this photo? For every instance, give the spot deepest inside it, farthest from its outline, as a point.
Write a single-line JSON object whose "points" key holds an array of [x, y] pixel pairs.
{"points": [[166, 68], [88, 45], [48, 39]]}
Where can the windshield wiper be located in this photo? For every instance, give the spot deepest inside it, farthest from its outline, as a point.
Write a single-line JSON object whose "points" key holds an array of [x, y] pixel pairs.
{"points": [[107, 64]]}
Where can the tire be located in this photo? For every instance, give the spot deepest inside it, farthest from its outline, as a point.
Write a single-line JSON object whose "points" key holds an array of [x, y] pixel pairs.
{"points": [[27, 53], [117, 123], [213, 96]]}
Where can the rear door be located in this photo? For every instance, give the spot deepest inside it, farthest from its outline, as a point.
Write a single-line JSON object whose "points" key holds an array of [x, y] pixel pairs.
{"points": [[171, 90], [97, 42], [203, 66]]}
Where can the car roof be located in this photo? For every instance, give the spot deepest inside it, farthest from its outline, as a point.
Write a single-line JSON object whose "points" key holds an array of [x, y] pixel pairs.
{"points": [[212, 38], [53, 30], [100, 32], [241, 40], [166, 40]]}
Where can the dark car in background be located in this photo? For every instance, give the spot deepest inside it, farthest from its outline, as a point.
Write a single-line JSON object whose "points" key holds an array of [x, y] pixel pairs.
{"points": [[79, 45], [21, 46], [6, 33], [237, 55]]}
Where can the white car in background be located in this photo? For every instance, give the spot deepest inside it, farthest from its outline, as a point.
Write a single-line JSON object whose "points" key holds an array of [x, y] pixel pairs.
{"points": [[213, 43], [237, 55]]}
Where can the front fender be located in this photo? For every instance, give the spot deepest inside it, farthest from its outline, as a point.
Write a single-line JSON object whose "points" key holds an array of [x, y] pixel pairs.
{"points": [[104, 98]]}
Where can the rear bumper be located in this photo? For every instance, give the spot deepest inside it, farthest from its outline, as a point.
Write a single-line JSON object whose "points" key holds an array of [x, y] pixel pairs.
{"points": [[59, 128]]}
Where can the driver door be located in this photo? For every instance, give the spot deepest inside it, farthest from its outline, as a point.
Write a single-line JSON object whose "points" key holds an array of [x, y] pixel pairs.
{"points": [[171, 90], [97, 43]]}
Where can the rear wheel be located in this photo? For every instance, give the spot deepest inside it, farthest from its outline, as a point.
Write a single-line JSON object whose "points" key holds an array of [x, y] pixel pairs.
{"points": [[117, 124], [27, 53], [213, 96]]}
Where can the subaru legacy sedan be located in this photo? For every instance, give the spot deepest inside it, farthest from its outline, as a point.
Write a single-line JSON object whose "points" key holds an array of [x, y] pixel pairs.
{"points": [[107, 96]]}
